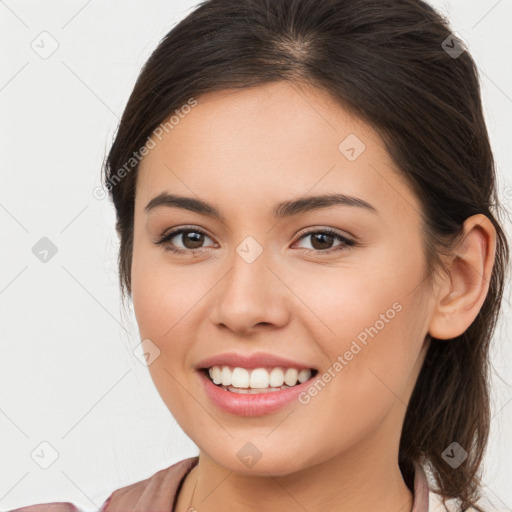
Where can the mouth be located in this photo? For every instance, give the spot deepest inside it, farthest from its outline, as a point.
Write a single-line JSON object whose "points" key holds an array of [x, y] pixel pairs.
{"points": [[256, 380]]}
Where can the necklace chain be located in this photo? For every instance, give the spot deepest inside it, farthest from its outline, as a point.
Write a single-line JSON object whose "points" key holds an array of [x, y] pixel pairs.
{"points": [[190, 508]]}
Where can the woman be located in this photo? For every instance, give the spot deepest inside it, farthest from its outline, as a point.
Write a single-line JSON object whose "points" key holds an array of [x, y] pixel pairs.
{"points": [[305, 197]]}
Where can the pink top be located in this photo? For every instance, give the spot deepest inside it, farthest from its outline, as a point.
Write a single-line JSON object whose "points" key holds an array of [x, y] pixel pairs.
{"points": [[159, 493]]}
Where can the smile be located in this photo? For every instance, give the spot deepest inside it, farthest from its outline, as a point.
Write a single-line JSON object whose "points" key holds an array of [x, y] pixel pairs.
{"points": [[270, 392]]}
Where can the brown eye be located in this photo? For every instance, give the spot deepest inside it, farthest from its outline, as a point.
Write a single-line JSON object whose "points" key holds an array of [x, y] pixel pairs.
{"points": [[185, 240], [322, 241], [191, 239]]}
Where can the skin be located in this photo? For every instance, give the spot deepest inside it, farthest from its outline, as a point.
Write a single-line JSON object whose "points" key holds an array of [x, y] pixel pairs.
{"points": [[244, 151]]}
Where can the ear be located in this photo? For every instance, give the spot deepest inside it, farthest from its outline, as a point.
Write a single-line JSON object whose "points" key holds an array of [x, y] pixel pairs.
{"points": [[463, 290]]}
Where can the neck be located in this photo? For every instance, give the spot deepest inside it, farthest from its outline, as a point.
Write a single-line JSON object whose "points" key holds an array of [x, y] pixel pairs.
{"points": [[351, 482]]}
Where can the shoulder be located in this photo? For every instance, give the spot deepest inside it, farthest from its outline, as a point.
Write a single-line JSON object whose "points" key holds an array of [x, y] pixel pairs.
{"points": [[427, 499], [435, 504], [156, 491], [452, 505], [60, 506]]}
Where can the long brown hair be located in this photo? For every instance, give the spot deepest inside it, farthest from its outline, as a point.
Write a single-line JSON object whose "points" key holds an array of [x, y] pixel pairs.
{"points": [[396, 65]]}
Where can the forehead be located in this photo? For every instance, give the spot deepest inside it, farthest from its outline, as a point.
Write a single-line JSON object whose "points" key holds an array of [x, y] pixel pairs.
{"points": [[270, 143]]}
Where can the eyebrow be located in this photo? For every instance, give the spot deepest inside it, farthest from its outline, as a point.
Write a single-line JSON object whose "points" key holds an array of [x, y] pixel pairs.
{"points": [[281, 210]]}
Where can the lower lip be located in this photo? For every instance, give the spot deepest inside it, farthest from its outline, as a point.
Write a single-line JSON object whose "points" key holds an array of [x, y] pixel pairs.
{"points": [[251, 404]]}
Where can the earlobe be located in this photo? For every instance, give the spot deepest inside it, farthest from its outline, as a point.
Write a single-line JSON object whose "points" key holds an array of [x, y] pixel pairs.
{"points": [[464, 288]]}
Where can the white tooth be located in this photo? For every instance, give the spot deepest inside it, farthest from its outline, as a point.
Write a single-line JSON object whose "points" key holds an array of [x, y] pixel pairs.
{"points": [[304, 375], [259, 378], [226, 376], [290, 377], [276, 378], [240, 378], [216, 374], [255, 391]]}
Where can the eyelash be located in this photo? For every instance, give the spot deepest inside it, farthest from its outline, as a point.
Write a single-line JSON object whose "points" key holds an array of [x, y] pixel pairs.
{"points": [[346, 242]]}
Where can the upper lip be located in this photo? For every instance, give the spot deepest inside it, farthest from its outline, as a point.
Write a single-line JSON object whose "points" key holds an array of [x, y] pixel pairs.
{"points": [[257, 360]]}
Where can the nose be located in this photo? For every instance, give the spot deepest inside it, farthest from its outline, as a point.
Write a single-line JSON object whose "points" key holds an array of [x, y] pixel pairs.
{"points": [[250, 297]]}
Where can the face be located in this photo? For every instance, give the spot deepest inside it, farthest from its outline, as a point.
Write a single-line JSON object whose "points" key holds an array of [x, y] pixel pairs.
{"points": [[337, 287]]}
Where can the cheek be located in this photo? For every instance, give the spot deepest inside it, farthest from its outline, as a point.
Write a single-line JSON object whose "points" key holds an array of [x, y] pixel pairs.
{"points": [[163, 307], [371, 318], [164, 300], [370, 336]]}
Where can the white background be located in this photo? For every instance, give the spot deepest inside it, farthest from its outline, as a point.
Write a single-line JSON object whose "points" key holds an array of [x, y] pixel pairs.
{"points": [[68, 375]]}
